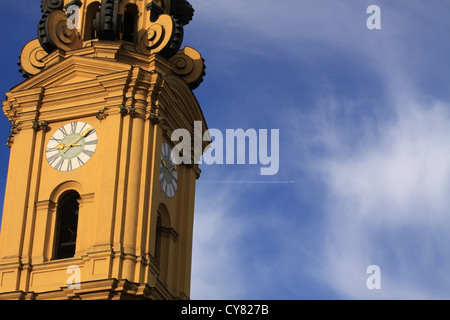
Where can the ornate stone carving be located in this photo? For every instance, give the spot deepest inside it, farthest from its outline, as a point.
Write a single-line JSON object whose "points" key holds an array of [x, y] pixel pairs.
{"points": [[31, 58], [101, 115], [53, 32], [164, 36], [15, 129], [182, 11], [41, 125], [48, 6], [189, 64]]}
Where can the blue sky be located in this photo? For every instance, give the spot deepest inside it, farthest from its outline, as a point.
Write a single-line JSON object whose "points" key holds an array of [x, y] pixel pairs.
{"points": [[364, 120]]}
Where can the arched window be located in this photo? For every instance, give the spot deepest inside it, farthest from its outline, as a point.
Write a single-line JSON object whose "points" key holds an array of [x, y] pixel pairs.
{"points": [[89, 25], [130, 19], [165, 235], [67, 223], [158, 241]]}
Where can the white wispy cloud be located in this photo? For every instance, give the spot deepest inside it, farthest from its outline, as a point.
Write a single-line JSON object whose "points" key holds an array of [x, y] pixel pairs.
{"points": [[217, 232], [389, 206], [376, 168], [385, 193]]}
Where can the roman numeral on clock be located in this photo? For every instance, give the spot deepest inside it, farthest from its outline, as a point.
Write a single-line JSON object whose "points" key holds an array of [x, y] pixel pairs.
{"points": [[53, 158], [63, 131]]}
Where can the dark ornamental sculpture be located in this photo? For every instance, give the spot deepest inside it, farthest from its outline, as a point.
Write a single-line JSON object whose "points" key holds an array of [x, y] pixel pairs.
{"points": [[107, 20], [164, 36], [182, 11]]}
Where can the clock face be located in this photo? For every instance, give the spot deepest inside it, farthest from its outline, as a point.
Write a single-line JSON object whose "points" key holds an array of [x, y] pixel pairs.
{"points": [[71, 146], [168, 174]]}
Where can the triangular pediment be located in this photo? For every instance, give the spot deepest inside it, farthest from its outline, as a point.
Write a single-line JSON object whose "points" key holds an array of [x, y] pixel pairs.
{"points": [[77, 83], [72, 70]]}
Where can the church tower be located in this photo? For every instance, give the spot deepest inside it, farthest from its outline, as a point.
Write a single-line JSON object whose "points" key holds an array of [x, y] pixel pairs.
{"points": [[95, 207]]}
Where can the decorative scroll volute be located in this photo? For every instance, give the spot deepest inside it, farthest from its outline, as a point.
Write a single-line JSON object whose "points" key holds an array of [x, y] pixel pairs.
{"points": [[31, 58], [182, 11], [189, 64], [48, 6], [61, 36], [163, 36], [53, 31]]}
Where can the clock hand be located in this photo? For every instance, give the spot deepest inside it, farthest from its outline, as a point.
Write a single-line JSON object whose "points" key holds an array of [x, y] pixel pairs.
{"points": [[86, 132], [64, 147], [61, 146], [170, 171], [173, 168]]}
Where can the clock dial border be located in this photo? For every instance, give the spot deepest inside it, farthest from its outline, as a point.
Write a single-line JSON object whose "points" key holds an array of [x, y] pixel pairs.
{"points": [[71, 146]]}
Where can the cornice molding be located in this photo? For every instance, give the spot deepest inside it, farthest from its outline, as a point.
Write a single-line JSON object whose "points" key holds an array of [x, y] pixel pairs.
{"points": [[80, 86]]}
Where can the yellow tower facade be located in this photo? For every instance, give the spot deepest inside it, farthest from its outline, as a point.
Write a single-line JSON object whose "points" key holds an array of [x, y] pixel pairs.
{"points": [[95, 207]]}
